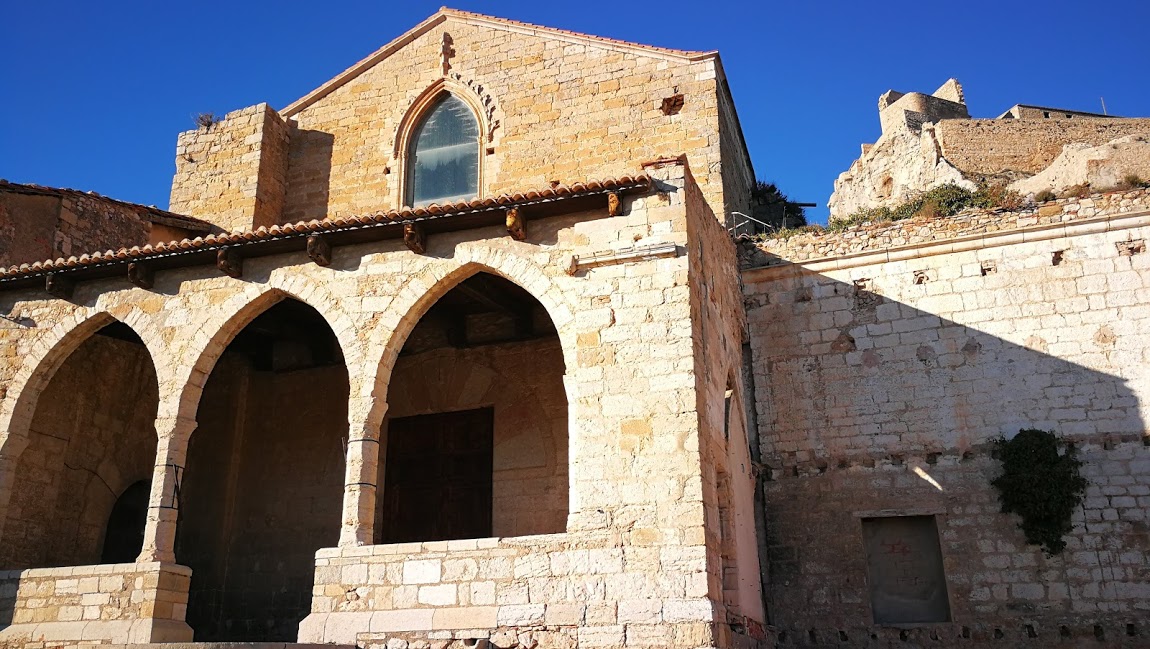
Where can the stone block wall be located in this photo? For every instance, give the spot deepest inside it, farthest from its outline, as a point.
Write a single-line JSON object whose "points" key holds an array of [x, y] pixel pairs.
{"points": [[625, 326], [232, 172], [94, 605], [573, 590], [878, 241], [553, 110], [93, 438], [728, 480], [886, 361], [43, 223], [987, 147]]}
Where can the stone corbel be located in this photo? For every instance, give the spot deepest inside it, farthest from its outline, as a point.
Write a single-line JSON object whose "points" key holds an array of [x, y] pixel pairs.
{"points": [[415, 238], [59, 286], [230, 263], [319, 249], [141, 274], [516, 224]]}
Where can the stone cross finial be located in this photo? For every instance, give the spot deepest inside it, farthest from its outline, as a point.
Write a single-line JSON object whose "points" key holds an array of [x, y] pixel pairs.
{"points": [[447, 52]]}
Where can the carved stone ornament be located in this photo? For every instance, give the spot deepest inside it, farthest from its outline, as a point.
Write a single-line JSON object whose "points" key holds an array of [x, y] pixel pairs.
{"points": [[414, 238], [516, 223], [486, 101]]}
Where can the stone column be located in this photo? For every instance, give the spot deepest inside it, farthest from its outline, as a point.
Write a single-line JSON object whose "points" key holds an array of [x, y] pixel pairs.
{"points": [[365, 416], [12, 444], [164, 502]]}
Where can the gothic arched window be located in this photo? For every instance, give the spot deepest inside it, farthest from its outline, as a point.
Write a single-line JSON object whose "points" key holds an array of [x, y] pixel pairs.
{"points": [[443, 155]]}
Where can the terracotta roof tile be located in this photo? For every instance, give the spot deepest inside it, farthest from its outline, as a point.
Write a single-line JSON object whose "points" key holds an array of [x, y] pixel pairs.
{"points": [[330, 225]]}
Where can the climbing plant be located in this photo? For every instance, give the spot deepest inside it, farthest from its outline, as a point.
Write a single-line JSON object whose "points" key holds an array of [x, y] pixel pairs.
{"points": [[1040, 482]]}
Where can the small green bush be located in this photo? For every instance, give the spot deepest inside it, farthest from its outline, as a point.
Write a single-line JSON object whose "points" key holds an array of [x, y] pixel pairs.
{"points": [[1040, 482], [1044, 196]]}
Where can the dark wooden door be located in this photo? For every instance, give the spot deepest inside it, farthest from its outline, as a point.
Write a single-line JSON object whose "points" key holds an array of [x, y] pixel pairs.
{"points": [[437, 480]]}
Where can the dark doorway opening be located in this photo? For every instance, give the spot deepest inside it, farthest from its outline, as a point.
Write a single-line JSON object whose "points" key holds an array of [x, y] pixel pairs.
{"points": [[476, 444], [263, 486], [439, 463], [125, 535]]}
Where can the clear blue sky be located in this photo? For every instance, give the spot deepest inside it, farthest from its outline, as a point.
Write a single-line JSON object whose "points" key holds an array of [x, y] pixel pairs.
{"points": [[95, 92]]}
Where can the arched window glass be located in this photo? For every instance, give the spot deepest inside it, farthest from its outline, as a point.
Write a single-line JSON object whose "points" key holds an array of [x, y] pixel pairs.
{"points": [[443, 159]]}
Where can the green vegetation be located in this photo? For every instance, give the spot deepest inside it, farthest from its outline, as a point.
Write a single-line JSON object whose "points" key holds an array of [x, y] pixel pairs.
{"points": [[771, 206], [1045, 196], [1040, 482], [945, 200]]}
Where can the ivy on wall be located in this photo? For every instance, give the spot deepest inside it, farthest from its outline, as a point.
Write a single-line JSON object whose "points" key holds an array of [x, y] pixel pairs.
{"points": [[1040, 482]]}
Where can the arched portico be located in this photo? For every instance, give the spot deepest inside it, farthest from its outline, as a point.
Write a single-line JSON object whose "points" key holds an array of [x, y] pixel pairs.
{"points": [[260, 479], [79, 430]]}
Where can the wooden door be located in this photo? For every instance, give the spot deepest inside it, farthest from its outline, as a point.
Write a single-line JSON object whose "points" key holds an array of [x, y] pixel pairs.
{"points": [[437, 481]]}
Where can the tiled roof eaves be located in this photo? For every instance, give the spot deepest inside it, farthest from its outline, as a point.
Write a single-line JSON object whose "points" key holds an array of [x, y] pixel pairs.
{"points": [[150, 213], [18, 276], [466, 16]]}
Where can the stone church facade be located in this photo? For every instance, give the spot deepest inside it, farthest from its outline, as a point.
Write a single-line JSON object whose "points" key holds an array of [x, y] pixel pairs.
{"points": [[457, 351]]}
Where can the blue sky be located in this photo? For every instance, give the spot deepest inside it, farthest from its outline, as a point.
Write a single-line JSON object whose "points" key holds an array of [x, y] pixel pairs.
{"points": [[96, 92]]}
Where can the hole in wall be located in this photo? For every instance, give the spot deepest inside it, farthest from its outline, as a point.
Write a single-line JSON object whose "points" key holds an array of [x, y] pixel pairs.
{"points": [[1056, 257]]}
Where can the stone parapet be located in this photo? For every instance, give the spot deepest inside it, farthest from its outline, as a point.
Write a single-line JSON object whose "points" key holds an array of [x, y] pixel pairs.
{"points": [[100, 604], [559, 589], [885, 236]]}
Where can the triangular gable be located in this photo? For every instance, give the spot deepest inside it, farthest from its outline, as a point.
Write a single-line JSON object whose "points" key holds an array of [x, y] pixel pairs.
{"points": [[491, 22]]}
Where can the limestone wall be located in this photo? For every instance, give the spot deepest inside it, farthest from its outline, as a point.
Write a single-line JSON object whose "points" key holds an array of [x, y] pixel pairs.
{"points": [[93, 605], [550, 110], [634, 455], [991, 146], [49, 224], [583, 587], [878, 241], [728, 480], [883, 375], [231, 173], [92, 439]]}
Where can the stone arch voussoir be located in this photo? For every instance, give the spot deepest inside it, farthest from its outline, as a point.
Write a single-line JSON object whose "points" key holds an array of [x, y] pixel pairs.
{"points": [[224, 322], [425, 289], [47, 354]]}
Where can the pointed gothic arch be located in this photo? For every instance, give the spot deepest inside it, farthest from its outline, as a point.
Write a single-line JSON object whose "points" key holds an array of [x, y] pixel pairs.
{"points": [[468, 119], [79, 427]]}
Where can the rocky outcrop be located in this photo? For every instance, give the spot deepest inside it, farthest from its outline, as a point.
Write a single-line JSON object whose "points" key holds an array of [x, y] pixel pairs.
{"points": [[1098, 166], [930, 140]]}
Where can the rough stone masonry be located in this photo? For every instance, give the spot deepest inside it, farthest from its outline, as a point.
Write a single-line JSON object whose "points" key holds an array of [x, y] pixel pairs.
{"points": [[561, 408]]}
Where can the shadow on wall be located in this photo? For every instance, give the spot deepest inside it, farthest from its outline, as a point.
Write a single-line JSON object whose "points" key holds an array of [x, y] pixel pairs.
{"points": [[308, 175], [876, 414]]}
